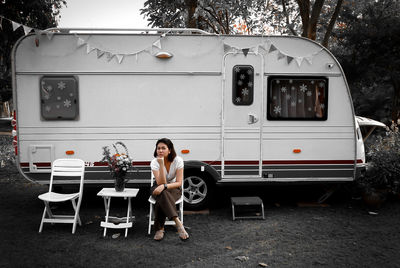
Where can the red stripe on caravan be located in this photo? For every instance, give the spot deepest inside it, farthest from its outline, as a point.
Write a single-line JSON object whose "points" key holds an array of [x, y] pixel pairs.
{"points": [[247, 162]]}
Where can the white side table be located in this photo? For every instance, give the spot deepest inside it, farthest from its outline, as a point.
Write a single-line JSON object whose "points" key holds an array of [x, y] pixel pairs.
{"points": [[107, 193]]}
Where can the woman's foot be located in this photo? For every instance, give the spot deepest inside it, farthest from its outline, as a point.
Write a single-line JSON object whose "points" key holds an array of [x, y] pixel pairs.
{"points": [[159, 235], [183, 235]]}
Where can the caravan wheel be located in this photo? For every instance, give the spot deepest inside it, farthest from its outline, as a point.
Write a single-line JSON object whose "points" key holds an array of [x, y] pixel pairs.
{"points": [[197, 191]]}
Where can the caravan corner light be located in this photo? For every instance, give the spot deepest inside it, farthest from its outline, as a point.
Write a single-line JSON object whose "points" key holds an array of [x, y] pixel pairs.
{"points": [[185, 151], [71, 152], [296, 151]]}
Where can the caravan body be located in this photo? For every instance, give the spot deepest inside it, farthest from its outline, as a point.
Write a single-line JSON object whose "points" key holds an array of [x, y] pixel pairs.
{"points": [[239, 109]]}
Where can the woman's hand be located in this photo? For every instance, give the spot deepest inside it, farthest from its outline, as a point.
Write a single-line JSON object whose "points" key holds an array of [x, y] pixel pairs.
{"points": [[160, 161], [158, 189]]}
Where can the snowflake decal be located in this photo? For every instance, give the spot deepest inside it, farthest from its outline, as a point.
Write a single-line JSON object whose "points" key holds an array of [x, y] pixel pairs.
{"points": [[46, 96], [322, 106], [290, 81], [67, 103], [238, 99], [245, 91], [236, 69], [49, 88], [303, 88], [61, 85], [274, 97], [250, 84], [293, 88], [58, 98], [277, 81], [43, 83], [242, 76], [321, 84], [249, 72], [283, 89], [319, 93], [240, 82], [309, 93], [48, 108], [312, 82], [277, 109], [309, 109], [58, 106], [300, 101], [293, 104], [288, 97], [71, 94]]}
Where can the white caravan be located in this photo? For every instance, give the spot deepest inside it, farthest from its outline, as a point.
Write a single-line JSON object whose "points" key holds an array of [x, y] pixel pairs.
{"points": [[239, 109]]}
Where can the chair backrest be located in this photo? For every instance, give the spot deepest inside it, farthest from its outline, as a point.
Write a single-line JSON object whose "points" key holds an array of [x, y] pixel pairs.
{"points": [[69, 167]]}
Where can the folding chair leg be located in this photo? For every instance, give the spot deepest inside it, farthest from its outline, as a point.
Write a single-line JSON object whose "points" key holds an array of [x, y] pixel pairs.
{"points": [[41, 223], [76, 217], [150, 218], [76, 212]]}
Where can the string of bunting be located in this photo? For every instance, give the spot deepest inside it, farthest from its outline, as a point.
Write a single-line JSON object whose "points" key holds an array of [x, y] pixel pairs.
{"points": [[27, 29], [267, 46], [111, 54]]}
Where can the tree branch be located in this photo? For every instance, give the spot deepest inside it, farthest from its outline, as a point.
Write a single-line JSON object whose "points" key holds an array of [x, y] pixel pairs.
{"points": [[332, 23], [316, 11]]}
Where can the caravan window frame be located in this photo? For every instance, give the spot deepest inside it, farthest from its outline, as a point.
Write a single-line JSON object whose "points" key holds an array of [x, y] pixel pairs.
{"points": [[325, 107]]}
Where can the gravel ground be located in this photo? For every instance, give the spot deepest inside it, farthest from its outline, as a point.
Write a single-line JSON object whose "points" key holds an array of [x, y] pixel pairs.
{"points": [[340, 233]]}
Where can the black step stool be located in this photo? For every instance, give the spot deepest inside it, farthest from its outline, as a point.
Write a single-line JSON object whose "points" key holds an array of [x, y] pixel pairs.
{"points": [[247, 201]]}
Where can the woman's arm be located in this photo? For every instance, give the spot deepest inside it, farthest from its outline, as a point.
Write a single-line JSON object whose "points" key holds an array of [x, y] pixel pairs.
{"points": [[159, 174], [178, 182]]}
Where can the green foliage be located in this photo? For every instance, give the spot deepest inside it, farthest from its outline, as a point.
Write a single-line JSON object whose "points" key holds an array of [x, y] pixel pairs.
{"points": [[367, 46], [383, 155], [39, 14]]}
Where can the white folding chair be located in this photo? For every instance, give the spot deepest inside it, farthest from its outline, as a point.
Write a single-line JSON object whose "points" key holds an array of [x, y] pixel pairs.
{"points": [[152, 202], [64, 168]]}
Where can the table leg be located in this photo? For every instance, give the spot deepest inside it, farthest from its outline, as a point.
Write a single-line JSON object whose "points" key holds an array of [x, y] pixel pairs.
{"points": [[107, 208], [128, 215]]}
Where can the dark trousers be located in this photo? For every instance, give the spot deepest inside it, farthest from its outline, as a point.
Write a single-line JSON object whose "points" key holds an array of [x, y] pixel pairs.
{"points": [[165, 206]]}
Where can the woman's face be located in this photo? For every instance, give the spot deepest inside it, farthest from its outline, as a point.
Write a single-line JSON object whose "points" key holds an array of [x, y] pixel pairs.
{"points": [[162, 150]]}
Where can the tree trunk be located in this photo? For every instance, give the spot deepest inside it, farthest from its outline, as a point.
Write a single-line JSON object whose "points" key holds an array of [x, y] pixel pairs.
{"points": [[310, 23], [191, 7], [396, 97], [332, 23]]}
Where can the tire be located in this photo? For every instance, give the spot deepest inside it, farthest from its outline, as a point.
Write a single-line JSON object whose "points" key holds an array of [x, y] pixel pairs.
{"points": [[197, 190]]}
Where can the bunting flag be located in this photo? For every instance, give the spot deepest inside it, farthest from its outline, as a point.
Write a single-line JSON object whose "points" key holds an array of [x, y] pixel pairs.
{"points": [[245, 51], [15, 25], [99, 53], [299, 60], [89, 48], [289, 59], [157, 44], [109, 56], [119, 58], [80, 42], [281, 55], [27, 29], [272, 48]]}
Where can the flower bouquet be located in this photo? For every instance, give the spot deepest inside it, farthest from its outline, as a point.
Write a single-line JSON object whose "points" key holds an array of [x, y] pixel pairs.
{"points": [[119, 164]]}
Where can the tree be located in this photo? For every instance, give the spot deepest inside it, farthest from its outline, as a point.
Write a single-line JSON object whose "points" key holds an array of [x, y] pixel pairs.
{"points": [[39, 14], [213, 16], [368, 47]]}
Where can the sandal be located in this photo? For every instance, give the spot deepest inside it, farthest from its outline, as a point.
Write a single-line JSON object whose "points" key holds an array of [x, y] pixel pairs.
{"points": [[183, 235], [159, 235]]}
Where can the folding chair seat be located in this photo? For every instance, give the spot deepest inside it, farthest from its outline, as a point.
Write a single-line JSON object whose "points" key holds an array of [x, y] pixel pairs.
{"points": [[152, 202], [63, 168]]}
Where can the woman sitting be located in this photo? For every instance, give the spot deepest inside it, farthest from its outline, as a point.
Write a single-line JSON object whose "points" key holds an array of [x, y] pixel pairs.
{"points": [[167, 169]]}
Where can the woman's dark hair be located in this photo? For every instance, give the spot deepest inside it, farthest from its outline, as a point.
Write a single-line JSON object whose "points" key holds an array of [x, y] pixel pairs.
{"points": [[170, 146]]}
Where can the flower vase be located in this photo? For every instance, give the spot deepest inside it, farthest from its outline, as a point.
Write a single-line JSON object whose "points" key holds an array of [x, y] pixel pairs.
{"points": [[120, 183]]}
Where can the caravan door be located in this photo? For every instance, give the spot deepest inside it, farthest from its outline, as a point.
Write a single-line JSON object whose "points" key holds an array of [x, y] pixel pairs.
{"points": [[242, 116]]}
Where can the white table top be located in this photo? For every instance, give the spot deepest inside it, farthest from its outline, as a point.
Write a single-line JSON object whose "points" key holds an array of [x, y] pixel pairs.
{"points": [[110, 192]]}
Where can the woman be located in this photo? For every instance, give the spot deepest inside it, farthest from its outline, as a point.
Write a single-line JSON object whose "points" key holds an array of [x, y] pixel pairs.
{"points": [[167, 169]]}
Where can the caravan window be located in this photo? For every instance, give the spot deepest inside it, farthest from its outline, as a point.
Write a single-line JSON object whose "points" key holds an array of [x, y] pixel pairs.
{"points": [[243, 85], [297, 98], [59, 97]]}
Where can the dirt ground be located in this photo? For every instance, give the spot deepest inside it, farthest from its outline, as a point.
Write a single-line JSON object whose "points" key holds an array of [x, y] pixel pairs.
{"points": [[296, 232]]}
